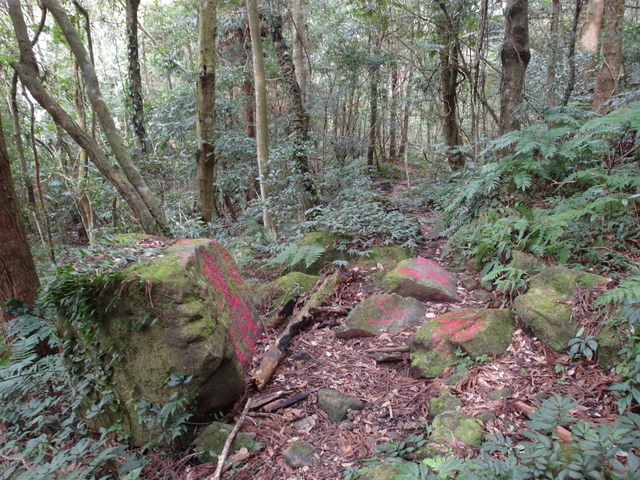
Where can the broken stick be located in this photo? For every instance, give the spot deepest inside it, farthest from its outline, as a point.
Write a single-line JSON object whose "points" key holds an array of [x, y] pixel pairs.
{"points": [[227, 444], [274, 356]]}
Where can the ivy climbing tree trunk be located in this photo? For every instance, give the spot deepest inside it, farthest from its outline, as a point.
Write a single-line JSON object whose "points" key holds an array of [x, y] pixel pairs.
{"points": [[136, 108], [515, 55], [611, 69], [205, 124], [127, 178], [262, 127], [18, 277]]}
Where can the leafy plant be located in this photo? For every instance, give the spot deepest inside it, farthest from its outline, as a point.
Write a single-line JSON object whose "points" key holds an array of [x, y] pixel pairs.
{"points": [[293, 254], [580, 345]]}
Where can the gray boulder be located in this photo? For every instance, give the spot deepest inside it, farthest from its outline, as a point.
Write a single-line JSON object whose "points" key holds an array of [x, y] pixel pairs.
{"points": [[422, 279]]}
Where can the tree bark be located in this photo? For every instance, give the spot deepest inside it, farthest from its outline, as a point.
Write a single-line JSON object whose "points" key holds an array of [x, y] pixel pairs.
{"points": [[104, 115], [571, 56], [18, 277], [136, 108], [374, 71], [590, 34], [27, 70], [262, 127], [449, 54], [611, 69], [299, 119], [300, 28], [553, 49], [206, 108], [515, 55]]}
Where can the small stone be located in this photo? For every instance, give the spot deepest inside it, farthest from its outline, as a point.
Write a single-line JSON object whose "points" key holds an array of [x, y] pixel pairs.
{"points": [[498, 394], [446, 402], [299, 454], [348, 425], [336, 405], [302, 356], [457, 427], [304, 424]]}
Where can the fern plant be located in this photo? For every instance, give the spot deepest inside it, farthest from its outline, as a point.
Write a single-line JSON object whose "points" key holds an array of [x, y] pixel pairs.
{"points": [[293, 255]]}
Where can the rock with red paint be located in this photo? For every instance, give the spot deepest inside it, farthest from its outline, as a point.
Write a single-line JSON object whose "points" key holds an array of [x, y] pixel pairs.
{"points": [[476, 332], [382, 313], [181, 328], [422, 279]]}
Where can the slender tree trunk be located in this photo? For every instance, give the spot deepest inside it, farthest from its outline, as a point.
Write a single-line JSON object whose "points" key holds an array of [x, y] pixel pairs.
{"points": [[17, 139], [299, 118], [393, 115], [103, 113], [27, 70], [515, 55], [553, 57], [373, 114], [590, 34], [449, 53], [136, 109], [18, 277], [571, 56], [206, 108], [262, 127], [300, 28], [611, 70]]}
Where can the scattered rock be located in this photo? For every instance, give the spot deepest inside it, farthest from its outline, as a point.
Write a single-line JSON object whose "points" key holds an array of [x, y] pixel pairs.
{"points": [[445, 402], [382, 313], [476, 331], [545, 308], [336, 405], [525, 262], [305, 424], [386, 257], [275, 295], [422, 279], [469, 282], [211, 440], [302, 356], [453, 426], [387, 471], [609, 344], [299, 454], [498, 394]]}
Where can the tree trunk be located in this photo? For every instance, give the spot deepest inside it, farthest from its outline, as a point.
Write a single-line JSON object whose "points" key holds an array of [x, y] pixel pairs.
{"points": [[611, 69], [449, 53], [299, 118], [205, 124], [18, 277], [27, 70], [17, 138], [103, 113], [553, 57], [590, 35], [571, 82], [393, 115], [300, 28], [262, 127], [515, 56], [373, 113], [136, 109]]}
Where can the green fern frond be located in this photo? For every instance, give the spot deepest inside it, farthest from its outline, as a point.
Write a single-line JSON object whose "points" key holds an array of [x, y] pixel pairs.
{"points": [[314, 252], [627, 290]]}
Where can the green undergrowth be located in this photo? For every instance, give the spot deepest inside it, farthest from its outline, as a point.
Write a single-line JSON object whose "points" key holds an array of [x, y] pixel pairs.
{"points": [[567, 193], [596, 452]]}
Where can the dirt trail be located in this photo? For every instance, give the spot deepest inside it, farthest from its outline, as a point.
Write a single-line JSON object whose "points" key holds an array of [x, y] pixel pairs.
{"points": [[396, 399]]}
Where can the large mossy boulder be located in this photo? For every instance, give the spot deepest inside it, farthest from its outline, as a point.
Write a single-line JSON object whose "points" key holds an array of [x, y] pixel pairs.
{"points": [[382, 313], [422, 279], [276, 294], [545, 308], [175, 326], [476, 332], [330, 254], [454, 426]]}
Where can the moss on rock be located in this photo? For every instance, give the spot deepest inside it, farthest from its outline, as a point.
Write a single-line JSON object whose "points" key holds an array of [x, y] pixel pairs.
{"points": [[453, 426]]}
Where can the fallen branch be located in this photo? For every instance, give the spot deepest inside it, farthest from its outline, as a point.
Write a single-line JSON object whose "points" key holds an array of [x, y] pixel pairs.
{"points": [[337, 310], [261, 400], [403, 348], [564, 435], [283, 402], [227, 445], [276, 353]]}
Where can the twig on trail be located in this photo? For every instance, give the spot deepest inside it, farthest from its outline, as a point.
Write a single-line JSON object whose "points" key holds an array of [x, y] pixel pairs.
{"points": [[227, 445], [283, 402], [403, 348]]}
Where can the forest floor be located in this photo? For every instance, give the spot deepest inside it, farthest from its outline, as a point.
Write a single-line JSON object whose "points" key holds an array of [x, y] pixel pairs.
{"points": [[396, 399]]}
